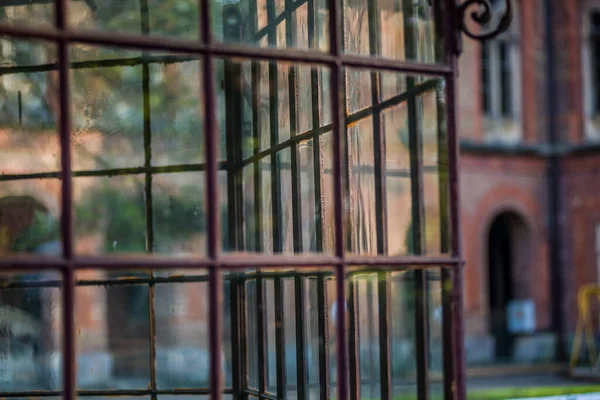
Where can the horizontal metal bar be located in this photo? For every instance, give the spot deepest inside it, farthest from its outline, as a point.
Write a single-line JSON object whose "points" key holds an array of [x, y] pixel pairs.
{"points": [[103, 63], [246, 261], [167, 169], [18, 284], [220, 49]]}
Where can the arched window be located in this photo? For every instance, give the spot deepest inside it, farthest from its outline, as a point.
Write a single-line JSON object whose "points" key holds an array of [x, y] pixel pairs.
{"points": [[501, 83]]}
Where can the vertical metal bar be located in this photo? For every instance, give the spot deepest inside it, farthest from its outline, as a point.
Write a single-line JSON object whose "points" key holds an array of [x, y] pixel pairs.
{"points": [[20, 105], [378, 133], [446, 273], [212, 202], [384, 285], [261, 335], [280, 339], [457, 279], [338, 114], [257, 137], [323, 329], [301, 366], [418, 209], [68, 273], [385, 368], [274, 131], [276, 205], [145, 29], [318, 173], [454, 371], [238, 348], [293, 113], [353, 339]]}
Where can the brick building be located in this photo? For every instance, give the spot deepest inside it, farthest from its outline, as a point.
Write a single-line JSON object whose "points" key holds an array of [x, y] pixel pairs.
{"points": [[528, 132], [530, 159]]}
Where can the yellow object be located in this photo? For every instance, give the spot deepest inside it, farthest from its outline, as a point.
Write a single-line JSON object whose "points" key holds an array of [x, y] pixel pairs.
{"points": [[584, 327]]}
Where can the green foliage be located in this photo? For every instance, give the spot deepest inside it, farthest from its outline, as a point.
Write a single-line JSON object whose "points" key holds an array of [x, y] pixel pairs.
{"points": [[44, 229], [124, 214]]}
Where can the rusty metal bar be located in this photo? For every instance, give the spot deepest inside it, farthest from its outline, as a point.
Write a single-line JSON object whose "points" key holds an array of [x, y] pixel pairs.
{"points": [[247, 261], [280, 339], [446, 274], [301, 364], [261, 334], [238, 350], [418, 207], [319, 273], [323, 329], [353, 338], [68, 273], [221, 49]]}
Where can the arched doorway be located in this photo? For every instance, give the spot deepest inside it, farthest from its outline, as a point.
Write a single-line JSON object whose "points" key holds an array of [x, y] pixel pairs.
{"points": [[509, 246]]}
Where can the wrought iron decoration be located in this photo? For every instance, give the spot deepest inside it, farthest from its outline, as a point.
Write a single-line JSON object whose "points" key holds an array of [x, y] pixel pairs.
{"points": [[482, 16]]}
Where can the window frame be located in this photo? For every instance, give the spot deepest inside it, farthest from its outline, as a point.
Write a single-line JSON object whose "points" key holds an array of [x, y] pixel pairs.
{"points": [[341, 262]]}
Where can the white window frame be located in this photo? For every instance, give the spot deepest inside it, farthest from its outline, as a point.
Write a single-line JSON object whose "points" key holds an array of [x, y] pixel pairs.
{"points": [[591, 121], [497, 128]]}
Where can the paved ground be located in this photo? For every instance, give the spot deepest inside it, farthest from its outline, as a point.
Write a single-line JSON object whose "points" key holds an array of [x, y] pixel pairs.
{"points": [[521, 381]]}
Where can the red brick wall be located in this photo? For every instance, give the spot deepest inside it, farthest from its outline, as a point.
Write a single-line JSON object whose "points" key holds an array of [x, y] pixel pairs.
{"points": [[491, 185]]}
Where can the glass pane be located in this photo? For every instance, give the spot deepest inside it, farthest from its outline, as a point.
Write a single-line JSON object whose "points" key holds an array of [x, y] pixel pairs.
{"points": [[176, 109], [31, 326], [30, 153], [112, 321], [300, 24], [179, 213], [435, 328], [182, 329], [22, 13], [279, 198], [295, 303], [110, 215], [182, 332], [399, 29], [126, 112], [403, 350], [378, 162], [149, 17], [30, 216]]}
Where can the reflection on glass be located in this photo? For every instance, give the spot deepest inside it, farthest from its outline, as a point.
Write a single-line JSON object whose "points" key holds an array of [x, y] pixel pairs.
{"points": [[30, 331], [109, 215], [398, 29], [279, 177], [377, 157], [403, 350], [30, 217], [26, 13], [29, 207], [294, 304], [182, 353], [113, 330], [435, 328], [149, 17], [178, 213], [273, 23]]}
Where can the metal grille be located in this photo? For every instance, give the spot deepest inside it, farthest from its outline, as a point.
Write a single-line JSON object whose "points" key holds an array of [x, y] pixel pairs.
{"points": [[340, 263]]}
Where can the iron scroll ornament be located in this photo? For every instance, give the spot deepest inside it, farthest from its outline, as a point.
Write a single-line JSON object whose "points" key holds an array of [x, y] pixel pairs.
{"points": [[483, 16]]}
